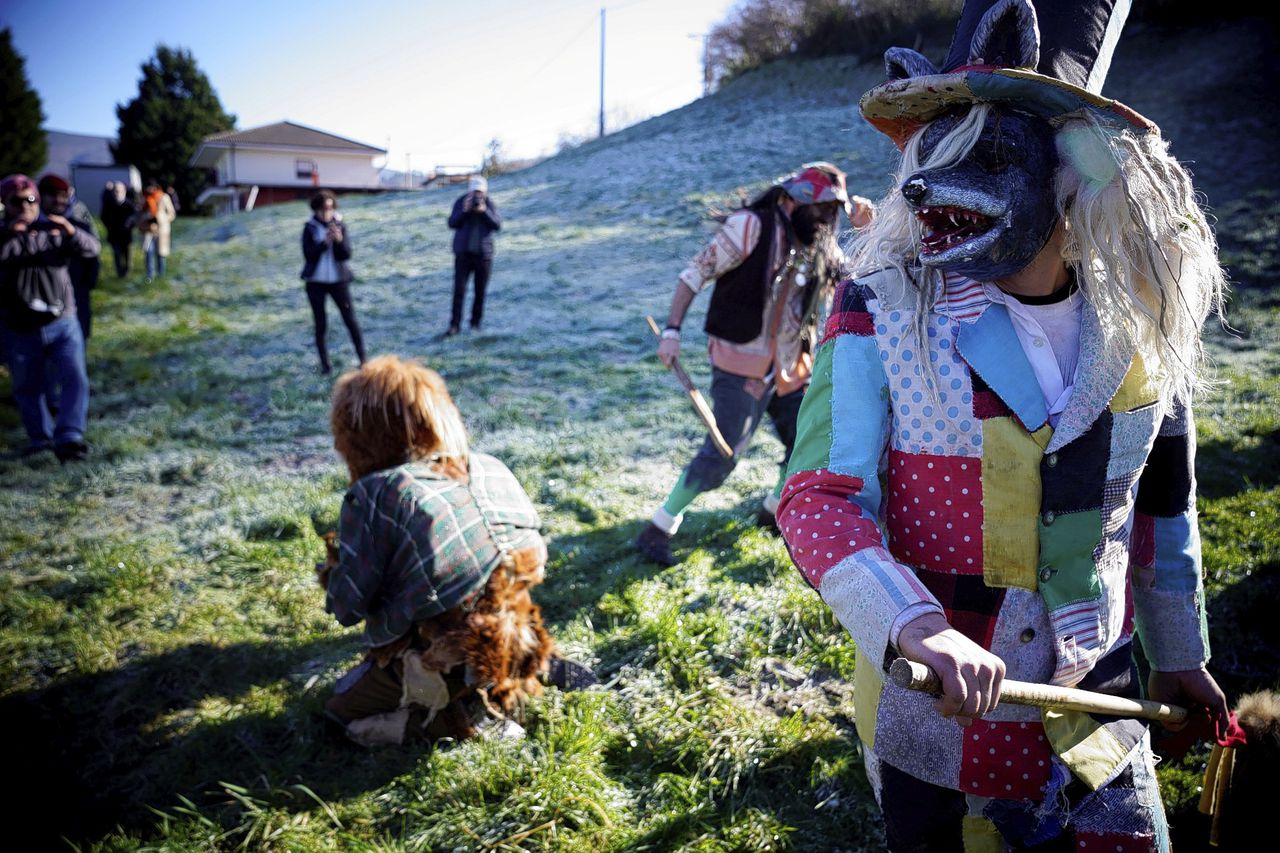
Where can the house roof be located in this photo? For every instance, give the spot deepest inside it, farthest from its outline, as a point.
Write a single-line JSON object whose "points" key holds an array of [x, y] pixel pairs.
{"points": [[282, 134], [74, 149]]}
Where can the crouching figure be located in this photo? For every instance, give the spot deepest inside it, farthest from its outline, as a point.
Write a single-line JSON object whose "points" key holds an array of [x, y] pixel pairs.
{"points": [[436, 552]]}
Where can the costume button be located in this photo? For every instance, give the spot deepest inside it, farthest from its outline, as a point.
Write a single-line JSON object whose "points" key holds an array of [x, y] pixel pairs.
{"points": [[1027, 635], [1051, 460], [1045, 574], [1049, 517], [1038, 341]]}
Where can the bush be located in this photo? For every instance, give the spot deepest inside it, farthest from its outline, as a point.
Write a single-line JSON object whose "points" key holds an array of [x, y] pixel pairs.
{"points": [[760, 31]]}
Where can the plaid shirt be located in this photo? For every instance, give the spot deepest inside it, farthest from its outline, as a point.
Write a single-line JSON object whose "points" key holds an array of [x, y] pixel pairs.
{"points": [[414, 543]]}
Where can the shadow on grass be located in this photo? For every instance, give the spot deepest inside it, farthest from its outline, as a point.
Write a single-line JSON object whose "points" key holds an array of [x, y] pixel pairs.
{"points": [[96, 750], [1227, 467], [1245, 634], [582, 568]]}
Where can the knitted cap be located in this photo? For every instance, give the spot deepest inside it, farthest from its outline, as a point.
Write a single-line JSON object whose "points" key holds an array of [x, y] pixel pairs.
{"points": [[17, 184]]}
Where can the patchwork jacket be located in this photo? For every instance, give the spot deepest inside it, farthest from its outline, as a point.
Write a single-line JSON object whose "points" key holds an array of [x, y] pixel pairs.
{"points": [[1049, 547]]}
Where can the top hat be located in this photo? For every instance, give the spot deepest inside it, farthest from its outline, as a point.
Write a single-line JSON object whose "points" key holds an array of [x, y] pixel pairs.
{"points": [[1051, 63]]}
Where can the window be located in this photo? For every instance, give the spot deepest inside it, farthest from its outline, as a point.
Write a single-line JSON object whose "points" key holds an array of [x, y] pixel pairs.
{"points": [[306, 168]]}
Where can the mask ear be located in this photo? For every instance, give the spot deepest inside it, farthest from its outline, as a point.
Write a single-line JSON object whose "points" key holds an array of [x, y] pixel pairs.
{"points": [[903, 62], [1008, 35]]}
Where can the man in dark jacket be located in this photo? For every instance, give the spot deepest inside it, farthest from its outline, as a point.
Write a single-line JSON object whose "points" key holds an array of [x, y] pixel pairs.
{"points": [[58, 198], [38, 317], [119, 215], [473, 220]]}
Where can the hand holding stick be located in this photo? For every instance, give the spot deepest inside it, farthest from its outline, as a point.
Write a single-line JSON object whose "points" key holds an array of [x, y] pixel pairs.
{"points": [[917, 676], [699, 404]]}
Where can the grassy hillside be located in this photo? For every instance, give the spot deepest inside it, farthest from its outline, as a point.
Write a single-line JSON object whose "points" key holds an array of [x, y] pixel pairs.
{"points": [[164, 648]]}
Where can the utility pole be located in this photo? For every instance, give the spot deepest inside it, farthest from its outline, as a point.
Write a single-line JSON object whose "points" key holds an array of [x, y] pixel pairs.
{"points": [[601, 71]]}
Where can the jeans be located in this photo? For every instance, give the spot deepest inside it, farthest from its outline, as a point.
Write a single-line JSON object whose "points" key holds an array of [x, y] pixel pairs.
{"points": [[738, 414], [155, 260], [464, 264], [56, 349]]}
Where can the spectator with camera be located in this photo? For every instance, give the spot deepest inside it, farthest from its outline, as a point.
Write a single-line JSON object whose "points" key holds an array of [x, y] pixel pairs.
{"points": [[474, 220], [326, 248], [42, 337]]}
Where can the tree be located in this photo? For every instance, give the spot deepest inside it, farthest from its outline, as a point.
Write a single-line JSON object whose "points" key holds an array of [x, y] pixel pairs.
{"points": [[494, 159], [160, 129], [23, 145]]}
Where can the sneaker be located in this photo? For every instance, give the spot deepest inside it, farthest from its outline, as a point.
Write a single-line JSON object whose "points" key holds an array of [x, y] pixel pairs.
{"points": [[475, 326], [655, 544], [568, 675], [451, 332], [71, 451]]}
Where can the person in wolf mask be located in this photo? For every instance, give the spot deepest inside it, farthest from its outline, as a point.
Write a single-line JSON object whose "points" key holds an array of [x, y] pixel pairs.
{"points": [[994, 467], [774, 263]]}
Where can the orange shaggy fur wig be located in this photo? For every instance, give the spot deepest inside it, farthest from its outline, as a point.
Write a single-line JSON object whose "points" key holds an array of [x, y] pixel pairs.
{"points": [[393, 411], [494, 644]]}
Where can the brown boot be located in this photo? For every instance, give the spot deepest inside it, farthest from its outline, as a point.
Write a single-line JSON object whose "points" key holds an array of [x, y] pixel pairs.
{"points": [[654, 544]]}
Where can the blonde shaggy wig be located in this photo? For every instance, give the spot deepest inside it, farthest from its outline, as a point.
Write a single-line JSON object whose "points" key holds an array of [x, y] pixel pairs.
{"points": [[393, 411], [1137, 238]]}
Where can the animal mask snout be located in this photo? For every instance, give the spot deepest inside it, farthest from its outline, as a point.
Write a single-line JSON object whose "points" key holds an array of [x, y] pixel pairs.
{"points": [[915, 190]]}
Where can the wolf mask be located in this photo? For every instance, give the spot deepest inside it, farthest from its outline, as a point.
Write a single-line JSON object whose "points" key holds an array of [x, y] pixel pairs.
{"points": [[988, 215]]}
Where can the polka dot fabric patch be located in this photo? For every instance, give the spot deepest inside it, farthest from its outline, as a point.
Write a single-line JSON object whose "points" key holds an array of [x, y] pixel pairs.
{"points": [[934, 511], [941, 423], [1005, 760], [821, 524]]}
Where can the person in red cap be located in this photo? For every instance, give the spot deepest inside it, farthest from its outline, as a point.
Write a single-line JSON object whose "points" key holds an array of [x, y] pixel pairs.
{"points": [[774, 263], [38, 317]]}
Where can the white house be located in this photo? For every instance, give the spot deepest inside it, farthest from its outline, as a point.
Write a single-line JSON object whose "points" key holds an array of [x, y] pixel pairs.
{"points": [[85, 160], [285, 161]]}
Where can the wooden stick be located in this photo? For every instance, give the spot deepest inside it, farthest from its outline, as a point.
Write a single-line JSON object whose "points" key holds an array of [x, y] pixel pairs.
{"points": [[699, 404], [917, 676]]}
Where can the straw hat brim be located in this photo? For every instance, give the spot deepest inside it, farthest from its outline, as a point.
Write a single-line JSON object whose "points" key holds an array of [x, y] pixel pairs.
{"points": [[899, 108]]}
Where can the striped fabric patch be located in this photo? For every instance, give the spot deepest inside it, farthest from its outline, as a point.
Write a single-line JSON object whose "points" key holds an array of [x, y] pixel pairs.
{"points": [[962, 298]]}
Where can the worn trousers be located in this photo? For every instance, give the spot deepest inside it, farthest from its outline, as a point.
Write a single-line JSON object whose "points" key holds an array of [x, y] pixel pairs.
{"points": [[51, 356], [738, 414], [466, 264], [341, 295], [120, 254]]}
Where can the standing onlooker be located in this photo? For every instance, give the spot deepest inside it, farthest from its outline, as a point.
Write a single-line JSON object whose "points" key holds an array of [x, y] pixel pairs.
{"points": [[37, 317], [325, 251], [474, 219], [173, 198], [108, 194], [156, 228], [119, 215], [58, 198]]}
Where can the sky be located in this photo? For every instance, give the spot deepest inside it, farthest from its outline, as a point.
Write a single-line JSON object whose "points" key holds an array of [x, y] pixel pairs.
{"points": [[433, 81]]}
